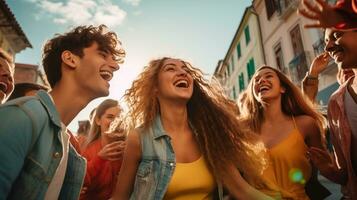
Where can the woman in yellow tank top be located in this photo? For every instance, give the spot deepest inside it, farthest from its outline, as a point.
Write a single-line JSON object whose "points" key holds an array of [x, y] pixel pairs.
{"points": [[288, 125]]}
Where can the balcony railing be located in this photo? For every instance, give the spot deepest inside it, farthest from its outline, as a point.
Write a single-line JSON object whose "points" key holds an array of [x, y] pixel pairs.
{"points": [[298, 67], [286, 7]]}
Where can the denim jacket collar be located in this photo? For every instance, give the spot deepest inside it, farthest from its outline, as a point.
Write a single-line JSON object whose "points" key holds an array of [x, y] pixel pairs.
{"points": [[48, 103], [160, 132]]}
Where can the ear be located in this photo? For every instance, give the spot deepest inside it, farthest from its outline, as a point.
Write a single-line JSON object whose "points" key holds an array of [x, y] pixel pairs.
{"points": [[69, 59], [282, 90], [97, 121]]}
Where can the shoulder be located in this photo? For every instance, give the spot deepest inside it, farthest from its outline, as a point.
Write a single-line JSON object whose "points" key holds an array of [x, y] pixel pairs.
{"points": [[306, 124], [134, 137]]}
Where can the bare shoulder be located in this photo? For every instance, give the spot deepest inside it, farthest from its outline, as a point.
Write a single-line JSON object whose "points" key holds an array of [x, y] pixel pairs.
{"points": [[133, 142], [306, 124]]}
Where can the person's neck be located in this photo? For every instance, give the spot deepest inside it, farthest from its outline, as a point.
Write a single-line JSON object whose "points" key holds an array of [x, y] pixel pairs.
{"points": [[174, 117], [272, 112], [69, 101]]}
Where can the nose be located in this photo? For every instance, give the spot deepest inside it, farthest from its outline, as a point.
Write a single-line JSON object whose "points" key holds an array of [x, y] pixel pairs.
{"points": [[330, 46], [113, 64], [182, 72], [261, 80]]}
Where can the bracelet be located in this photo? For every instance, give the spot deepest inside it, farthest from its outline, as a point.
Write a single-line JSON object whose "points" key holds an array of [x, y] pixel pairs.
{"points": [[308, 76]]}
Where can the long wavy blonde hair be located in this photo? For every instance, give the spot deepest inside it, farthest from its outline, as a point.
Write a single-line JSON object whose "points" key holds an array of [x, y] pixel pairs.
{"points": [[222, 139], [293, 103]]}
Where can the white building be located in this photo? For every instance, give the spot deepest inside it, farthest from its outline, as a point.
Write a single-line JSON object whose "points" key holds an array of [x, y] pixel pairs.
{"points": [[244, 54]]}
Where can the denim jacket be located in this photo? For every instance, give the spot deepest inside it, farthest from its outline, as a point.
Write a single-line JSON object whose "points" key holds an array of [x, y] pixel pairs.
{"points": [[157, 164], [31, 149]]}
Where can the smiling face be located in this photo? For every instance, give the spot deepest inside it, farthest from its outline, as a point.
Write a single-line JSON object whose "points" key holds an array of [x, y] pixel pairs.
{"points": [[108, 117], [342, 47], [174, 81], [266, 85], [6, 80], [95, 70]]}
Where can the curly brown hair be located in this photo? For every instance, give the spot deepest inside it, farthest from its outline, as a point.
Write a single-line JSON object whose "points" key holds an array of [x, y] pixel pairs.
{"points": [[75, 41], [222, 139]]}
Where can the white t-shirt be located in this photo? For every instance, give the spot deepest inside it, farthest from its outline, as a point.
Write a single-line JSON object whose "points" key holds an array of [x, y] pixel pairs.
{"points": [[55, 186]]}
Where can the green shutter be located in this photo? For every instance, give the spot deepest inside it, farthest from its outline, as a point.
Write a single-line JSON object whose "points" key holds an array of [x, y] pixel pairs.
{"points": [[239, 53], [234, 92], [241, 82], [247, 35], [250, 68]]}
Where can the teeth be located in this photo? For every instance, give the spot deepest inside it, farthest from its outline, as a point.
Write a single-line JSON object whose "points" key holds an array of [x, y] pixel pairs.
{"points": [[263, 88], [185, 82], [3, 87], [106, 75]]}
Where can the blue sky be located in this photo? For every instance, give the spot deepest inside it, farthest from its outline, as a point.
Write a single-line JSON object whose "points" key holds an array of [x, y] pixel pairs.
{"points": [[199, 31]]}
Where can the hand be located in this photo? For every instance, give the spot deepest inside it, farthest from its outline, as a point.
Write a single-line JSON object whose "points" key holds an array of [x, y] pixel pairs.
{"points": [[321, 159], [112, 151], [324, 15], [319, 64]]}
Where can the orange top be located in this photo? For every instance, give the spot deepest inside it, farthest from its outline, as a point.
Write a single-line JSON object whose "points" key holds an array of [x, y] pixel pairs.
{"points": [[101, 176], [288, 168]]}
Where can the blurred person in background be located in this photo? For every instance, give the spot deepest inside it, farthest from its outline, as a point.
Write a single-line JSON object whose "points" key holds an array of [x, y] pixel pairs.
{"points": [[6, 76], [103, 150]]}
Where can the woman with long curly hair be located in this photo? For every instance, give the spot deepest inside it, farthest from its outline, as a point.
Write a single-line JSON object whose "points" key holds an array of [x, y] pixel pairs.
{"points": [[187, 140], [288, 125]]}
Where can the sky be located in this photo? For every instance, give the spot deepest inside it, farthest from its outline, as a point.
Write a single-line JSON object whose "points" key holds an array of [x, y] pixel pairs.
{"points": [[199, 31]]}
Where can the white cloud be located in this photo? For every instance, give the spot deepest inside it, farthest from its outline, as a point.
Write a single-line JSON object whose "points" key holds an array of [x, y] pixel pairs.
{"points": [[79, 12], [132, 2]]}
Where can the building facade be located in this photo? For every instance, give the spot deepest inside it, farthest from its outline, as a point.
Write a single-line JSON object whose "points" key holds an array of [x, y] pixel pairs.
{"points": [[12, 38], [290, 47], [244, 55], [27, 73]]}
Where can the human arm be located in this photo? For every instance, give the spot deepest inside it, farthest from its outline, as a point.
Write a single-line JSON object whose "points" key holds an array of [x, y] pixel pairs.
{"points": [[341, 16], [310, 82], [317, 153], [239, 188], [97, 158], [15, 141], [127, 174]]}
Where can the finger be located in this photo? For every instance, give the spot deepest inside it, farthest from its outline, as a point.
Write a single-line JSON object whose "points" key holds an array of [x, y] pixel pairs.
{"points": [[317, 25], [310, 7], [322, 3], [307, 14]]}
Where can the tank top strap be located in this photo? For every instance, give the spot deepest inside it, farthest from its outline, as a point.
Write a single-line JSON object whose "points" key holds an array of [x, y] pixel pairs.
{"points": [[295, 126]]}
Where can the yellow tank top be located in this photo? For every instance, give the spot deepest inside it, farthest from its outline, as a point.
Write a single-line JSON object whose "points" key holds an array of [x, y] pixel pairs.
{"points": [[191, 181], [288, 168]]}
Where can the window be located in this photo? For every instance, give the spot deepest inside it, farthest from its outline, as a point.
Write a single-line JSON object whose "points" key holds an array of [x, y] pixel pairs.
{"points": [[296, 40], [239, 52], [279, 57], [234, 92], [241, 82], [232, 63], [247, 35], [271, 7], [250, 68]]}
